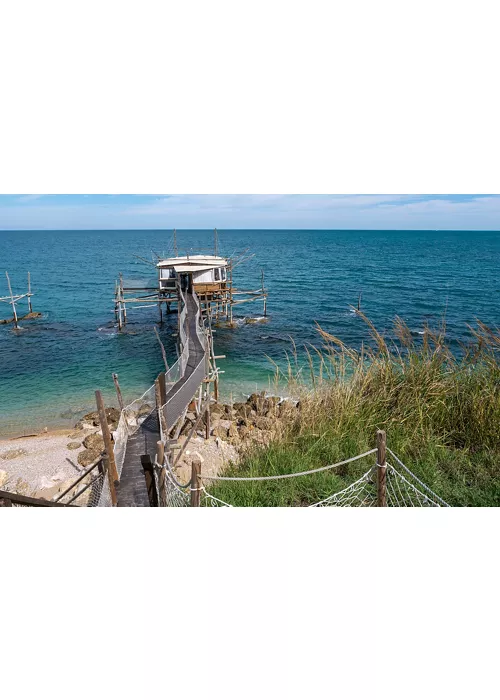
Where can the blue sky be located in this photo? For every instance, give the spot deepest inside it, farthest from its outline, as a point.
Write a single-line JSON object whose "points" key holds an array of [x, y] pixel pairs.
{"points": [[481, 212]]}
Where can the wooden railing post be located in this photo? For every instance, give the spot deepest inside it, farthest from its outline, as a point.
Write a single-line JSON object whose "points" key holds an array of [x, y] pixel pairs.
{"points": [[207, 423], [195, 482], [381, 469], [106, 436], [159, 407], [162, 491], [118, 391], [111, 481]]}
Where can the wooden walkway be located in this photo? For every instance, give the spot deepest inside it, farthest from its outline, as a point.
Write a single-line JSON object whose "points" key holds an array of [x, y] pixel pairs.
{"points": [[132, 491]]}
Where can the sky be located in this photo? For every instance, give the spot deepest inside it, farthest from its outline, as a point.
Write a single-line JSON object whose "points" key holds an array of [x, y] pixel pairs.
{"points": [[249, 211]]}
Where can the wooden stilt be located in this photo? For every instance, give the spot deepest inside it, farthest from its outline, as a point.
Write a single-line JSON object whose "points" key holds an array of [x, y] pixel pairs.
{"points": [[30, 308], [118, 391], [16, 325]]}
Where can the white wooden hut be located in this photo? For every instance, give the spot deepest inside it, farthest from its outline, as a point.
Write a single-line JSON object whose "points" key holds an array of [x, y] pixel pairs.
{"points": [[209, 272]]}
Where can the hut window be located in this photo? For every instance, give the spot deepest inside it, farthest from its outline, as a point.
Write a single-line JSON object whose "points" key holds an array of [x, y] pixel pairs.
{"points": [[217, 274]]}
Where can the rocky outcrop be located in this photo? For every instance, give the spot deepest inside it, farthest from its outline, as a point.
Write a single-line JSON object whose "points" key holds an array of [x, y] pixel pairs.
{"points": [[242, 424], [92, 419]]}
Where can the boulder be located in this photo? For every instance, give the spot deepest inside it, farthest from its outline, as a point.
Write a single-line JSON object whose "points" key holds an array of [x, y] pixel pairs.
{"points": [[4, 477], [94, 442], [286, 407], [217, 409], [86, 457], [263, 423], [220, 432], [92, 418], [22, 487], [73, 445]]}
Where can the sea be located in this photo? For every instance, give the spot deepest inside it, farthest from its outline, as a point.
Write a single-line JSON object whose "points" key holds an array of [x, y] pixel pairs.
{"points": [[50, 369]]}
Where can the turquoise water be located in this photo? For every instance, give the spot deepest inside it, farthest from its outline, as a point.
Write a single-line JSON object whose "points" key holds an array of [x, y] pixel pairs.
{"points": [[48, 372]]}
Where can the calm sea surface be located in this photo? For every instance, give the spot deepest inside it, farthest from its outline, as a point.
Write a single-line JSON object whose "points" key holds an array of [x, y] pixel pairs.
{"points": [[48, 372]]}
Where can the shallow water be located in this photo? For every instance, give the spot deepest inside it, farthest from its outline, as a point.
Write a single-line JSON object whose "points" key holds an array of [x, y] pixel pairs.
{"points": [[49, 371]]}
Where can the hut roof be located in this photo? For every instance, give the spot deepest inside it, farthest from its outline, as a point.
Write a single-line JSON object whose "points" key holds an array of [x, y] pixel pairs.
{"points": [[193, 262]]}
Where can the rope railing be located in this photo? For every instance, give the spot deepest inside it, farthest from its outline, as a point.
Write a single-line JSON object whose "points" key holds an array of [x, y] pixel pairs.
{"points": [[275, 477]]}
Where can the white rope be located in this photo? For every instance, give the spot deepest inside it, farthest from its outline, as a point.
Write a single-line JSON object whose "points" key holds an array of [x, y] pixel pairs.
{"points": [[404, 497], [350, 494], [214, 501], [421, 483], [287, 476]]}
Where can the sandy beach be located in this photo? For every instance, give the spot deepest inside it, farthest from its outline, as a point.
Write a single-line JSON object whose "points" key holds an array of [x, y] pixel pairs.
{"points": [[39, 466]]}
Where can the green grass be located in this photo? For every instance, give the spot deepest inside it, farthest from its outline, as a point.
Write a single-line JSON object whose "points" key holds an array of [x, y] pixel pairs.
{"points": [[441, 413]]}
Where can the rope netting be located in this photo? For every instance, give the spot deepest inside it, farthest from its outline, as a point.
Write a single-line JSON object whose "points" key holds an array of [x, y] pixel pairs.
{"points": [[403, 488]]}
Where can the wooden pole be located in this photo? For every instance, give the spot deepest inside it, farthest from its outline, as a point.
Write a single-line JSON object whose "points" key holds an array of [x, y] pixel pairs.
{"points": [[118, 391], [106, 436], [30, 308], [159, 406], [195, 482], [207, 423], [106, 461], [123, 300], [176, 253], [160, 458], [16, 325], [381, 469]]}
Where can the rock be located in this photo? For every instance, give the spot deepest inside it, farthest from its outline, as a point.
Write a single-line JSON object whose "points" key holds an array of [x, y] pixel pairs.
{"points": [[46, 483], [217, 409], [73, 445], [13, 454], [22, 487], [264, 423], [220, 432], [244, 432], [257, 401], [226, 424], [76, 436], [88, 456], [286, 406], [94, 442], [92, 418], [59, 476], [190, 416], [4, 477]]}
